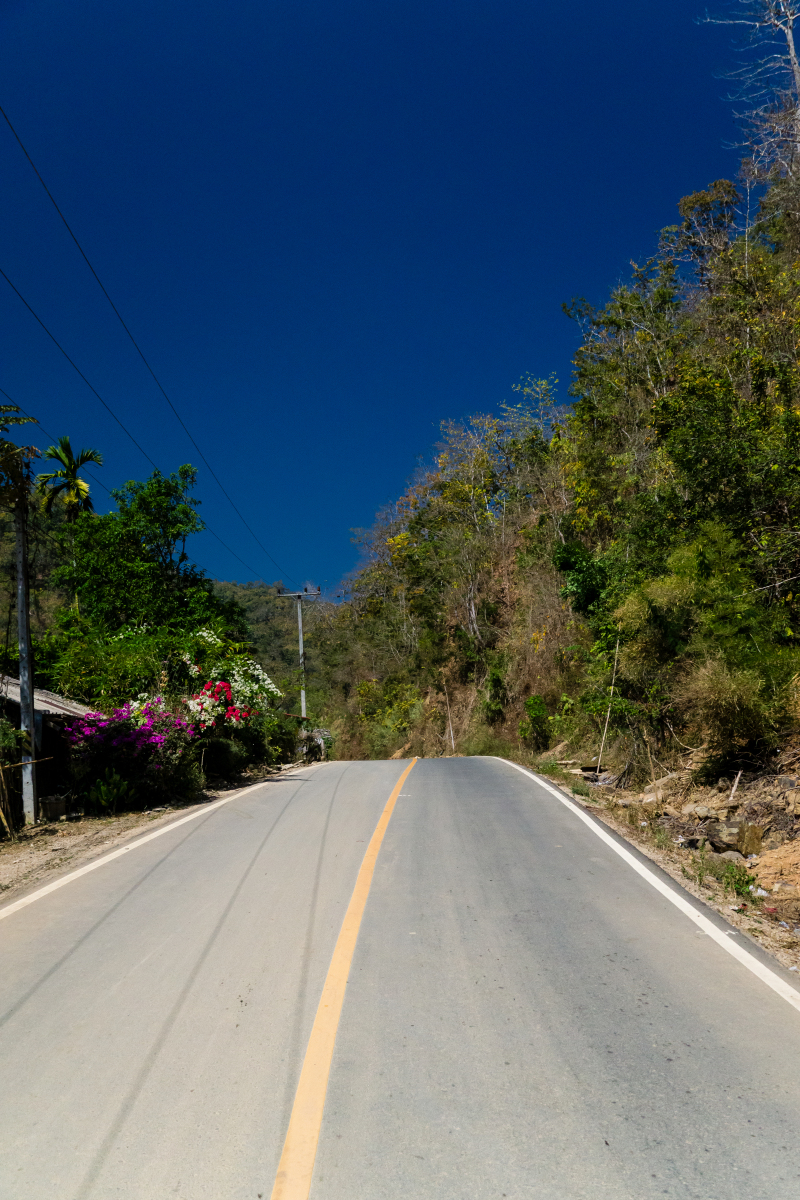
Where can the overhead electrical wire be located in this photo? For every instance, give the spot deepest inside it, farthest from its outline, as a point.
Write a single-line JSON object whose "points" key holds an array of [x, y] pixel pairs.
{"points": [[137, 347], [99, 483], [75, 367]]}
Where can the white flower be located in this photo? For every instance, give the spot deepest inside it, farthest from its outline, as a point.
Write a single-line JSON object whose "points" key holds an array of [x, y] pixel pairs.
{"points": [[209, 636]]}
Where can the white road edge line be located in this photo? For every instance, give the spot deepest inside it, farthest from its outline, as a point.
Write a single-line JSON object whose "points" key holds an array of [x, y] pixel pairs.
{"points": [[722, 938], [100, 862]]}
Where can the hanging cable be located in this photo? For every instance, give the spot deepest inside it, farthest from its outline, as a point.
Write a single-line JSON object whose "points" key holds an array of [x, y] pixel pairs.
{"points": [[137, 347], [75, 367], [108, 492]]}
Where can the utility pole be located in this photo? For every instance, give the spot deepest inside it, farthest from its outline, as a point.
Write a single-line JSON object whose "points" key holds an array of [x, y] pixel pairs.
{"points": [[15, 486], [302, 656], [27, 716], [299, 597]]}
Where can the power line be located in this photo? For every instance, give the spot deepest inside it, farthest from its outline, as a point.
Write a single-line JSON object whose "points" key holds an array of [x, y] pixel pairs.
{"points": [[100, 483], [136, 345], [114, 415], [77, 368]]}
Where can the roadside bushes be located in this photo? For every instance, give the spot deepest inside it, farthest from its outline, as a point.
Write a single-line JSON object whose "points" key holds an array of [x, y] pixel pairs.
{"points": [[108, 794], [728, 705], [228, 748], [222, 757], [534, 728], [104, 670], [155, 749], [386, 713], [137, 755], [495, 696], [147, 753]]}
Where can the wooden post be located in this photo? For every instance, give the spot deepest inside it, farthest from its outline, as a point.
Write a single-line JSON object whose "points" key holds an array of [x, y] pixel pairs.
{"points": [[608, 714], [27, 721]]}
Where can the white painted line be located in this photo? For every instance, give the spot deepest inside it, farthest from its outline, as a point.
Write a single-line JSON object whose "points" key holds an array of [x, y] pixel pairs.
{"points": [[100, 862], [721, 937]]}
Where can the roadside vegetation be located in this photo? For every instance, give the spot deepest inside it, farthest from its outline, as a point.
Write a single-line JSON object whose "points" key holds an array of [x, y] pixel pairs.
{"points": [[124, 622]]}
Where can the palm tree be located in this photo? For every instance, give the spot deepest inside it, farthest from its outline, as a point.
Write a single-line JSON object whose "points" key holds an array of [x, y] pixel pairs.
{"points": [[66, 482]]}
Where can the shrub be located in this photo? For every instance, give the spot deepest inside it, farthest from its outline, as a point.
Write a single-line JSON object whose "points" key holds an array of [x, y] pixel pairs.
{"points": [[107, 671], [737, 879], [236, 688], [483, 741], [152, 749], [535, 725], [585, 575], [727, 705], [11, 741], [387, 713], [108, 794], [223, 756], [495, 696]]}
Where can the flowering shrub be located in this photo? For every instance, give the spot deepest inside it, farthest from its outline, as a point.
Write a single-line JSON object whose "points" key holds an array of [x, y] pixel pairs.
{"points": [[160, 748], [145, 743], [214, 706], [236, 687]]}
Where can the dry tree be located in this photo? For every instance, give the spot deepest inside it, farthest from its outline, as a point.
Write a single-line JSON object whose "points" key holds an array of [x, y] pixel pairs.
{"points": [[767, 80]]}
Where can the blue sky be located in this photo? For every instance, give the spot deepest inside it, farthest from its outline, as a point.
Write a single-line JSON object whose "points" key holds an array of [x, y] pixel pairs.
{"points": [[330, 225]]}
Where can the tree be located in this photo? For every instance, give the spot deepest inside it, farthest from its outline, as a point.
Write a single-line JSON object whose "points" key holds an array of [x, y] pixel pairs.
{"points": [[771, 83], [709, 223], [14, 459], [66, 481], [132, 567]]}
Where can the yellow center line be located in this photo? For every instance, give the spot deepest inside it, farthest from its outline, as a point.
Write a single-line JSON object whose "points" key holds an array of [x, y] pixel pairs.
{"points": [[293, 1180]]}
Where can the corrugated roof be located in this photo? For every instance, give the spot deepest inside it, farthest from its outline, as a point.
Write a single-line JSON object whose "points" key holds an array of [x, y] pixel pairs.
{"points": [[44, 702]]}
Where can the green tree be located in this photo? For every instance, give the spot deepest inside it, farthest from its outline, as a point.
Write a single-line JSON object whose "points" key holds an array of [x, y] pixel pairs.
{"points": [[131, 565], [65, 481]]}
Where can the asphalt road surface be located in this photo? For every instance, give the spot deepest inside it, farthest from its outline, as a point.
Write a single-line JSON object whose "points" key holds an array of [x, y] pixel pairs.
{"points": [[526, 1016]]}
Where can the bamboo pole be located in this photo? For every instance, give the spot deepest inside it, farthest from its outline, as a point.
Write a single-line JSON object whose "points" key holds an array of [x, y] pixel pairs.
{"points": [[608, 714]]}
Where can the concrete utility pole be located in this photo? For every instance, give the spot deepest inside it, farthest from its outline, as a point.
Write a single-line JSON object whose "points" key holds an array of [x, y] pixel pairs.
{"points": [[299, 597], [27, 716]]}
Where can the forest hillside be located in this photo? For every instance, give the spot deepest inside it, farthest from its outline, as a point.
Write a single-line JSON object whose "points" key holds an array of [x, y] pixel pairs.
{"points": [[627, 561]]}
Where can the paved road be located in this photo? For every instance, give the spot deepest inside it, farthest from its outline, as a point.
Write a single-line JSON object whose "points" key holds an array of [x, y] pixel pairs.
{"points": [[526, 1016]]}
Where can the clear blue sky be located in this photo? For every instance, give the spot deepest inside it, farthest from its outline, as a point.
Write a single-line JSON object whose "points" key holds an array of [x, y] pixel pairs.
{"points": [[330, 224]]}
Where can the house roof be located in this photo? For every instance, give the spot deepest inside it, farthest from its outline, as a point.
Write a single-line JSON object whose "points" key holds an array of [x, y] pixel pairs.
{"points": [[43, 702]]}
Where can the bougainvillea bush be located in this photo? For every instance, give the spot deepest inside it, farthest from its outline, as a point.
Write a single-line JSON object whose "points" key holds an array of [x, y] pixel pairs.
{"points": [[234, 707], [148, 746], [161, 748], [236, 688]]}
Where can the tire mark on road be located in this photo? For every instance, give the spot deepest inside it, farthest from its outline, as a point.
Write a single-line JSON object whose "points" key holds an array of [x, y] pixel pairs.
{"points": [[127, 1105]]}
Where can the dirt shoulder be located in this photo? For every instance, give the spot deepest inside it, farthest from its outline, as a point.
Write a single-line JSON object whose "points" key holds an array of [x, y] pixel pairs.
{"points": [[43, 852]]}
